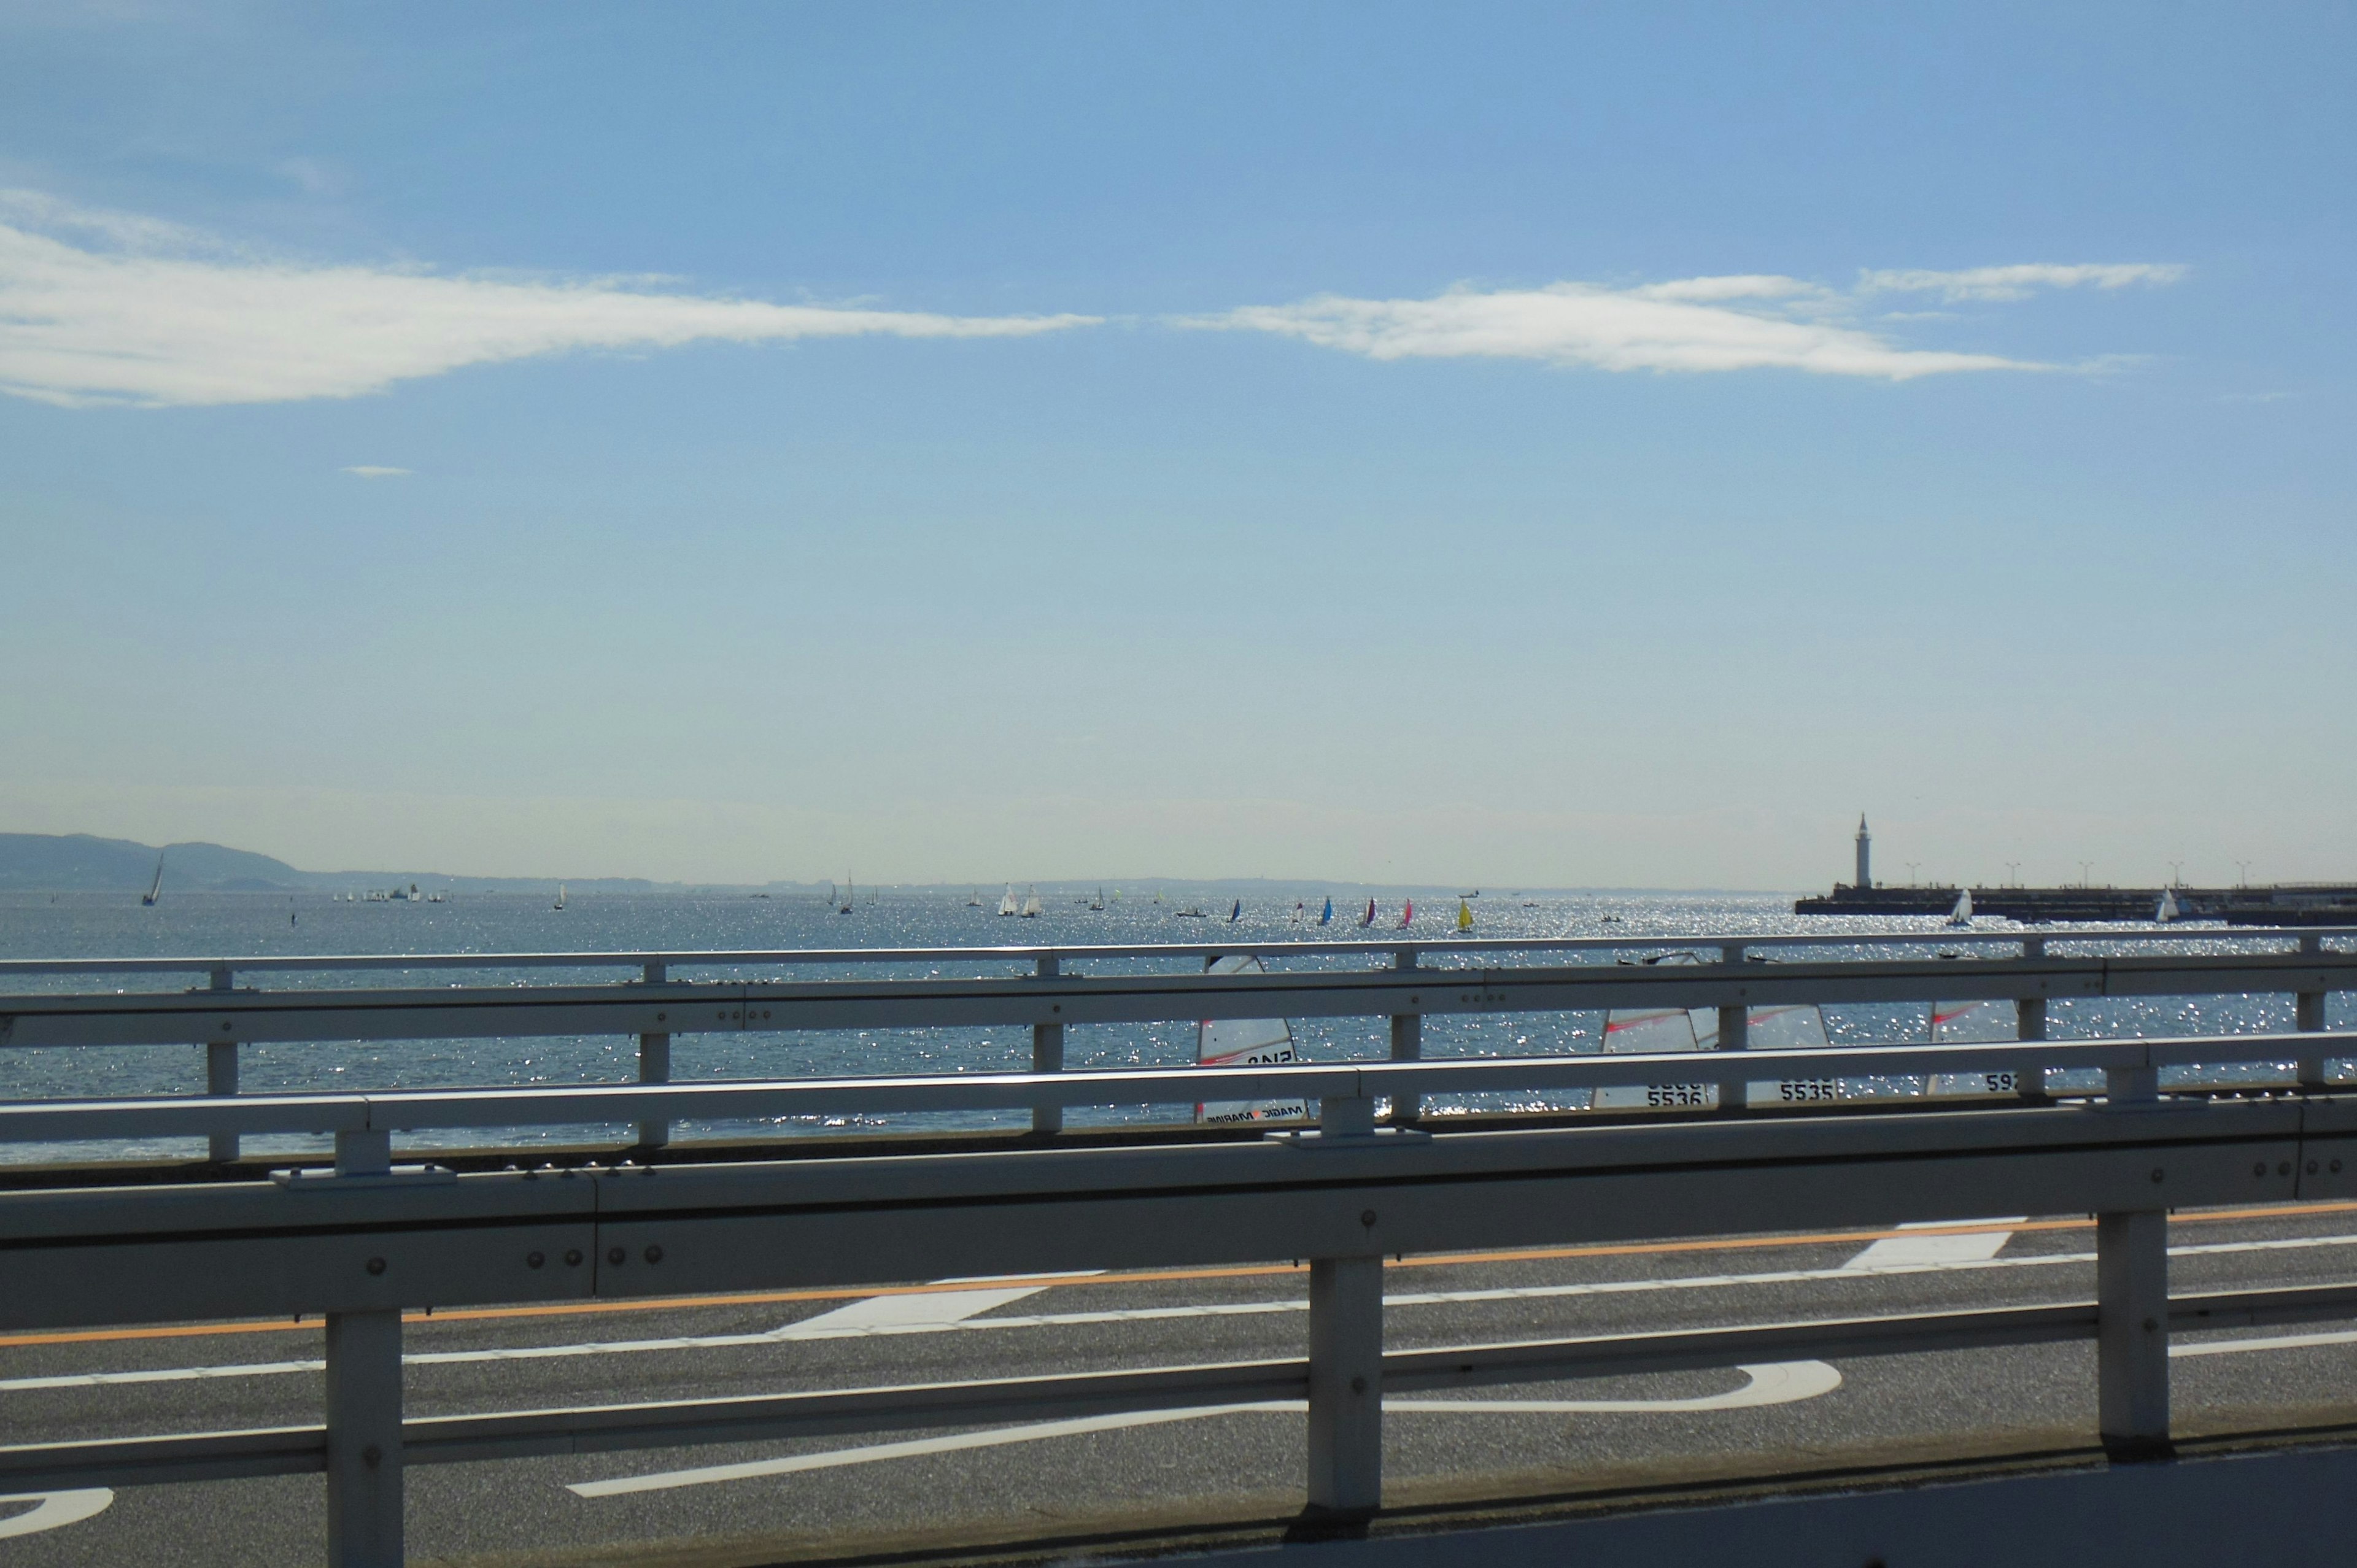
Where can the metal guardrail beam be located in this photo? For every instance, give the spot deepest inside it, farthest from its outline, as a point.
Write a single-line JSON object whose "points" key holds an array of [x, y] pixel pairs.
{"points": [[675, 1008], [1378, 947], [435, 1110]]}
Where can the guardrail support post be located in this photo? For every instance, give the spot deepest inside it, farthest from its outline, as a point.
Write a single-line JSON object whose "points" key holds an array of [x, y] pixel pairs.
{"points": [[654, 1066], [364, 1440], [1407, 1045], [1734, 1035], [365, 1406], [220, 1077], [1048, 1056], [1346, 1396], [2029, 1024], [2132, 1332], [2308, 1014]]}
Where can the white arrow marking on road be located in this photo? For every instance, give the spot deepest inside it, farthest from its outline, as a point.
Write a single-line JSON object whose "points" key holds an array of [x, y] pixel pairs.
{"points": [[56, 1510], [1779, 1382]]}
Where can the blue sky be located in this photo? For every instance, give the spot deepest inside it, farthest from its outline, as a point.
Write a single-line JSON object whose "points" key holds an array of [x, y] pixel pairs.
{"points": [[1520, 445]]}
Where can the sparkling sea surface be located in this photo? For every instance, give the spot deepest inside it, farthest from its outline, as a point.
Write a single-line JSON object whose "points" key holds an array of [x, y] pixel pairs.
{"points": [[236, 925]]}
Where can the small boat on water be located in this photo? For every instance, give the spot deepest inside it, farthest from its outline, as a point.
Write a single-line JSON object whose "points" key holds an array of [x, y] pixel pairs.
{"points": [[2168, 909], [975, 902], [1032, 909], [147, 900], [1326, 916], [1369, 917], [1191, 913], [1464, 915], [1007, 905], [1238, 912], [1407, 914], [1962, 914], [850, 893], [558, 905], [1097, 902]]}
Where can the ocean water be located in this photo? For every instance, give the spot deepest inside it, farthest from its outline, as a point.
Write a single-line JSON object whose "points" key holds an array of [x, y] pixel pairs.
{"points": [[232, 925]]}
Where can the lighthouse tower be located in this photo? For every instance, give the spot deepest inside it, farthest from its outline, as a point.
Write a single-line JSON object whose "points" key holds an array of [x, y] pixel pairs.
{"points": [[1864, 844]]}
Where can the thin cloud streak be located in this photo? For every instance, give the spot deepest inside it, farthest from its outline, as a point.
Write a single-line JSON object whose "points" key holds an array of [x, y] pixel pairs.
{"points": [[140, 313], [1750, 321], [377, 471]]}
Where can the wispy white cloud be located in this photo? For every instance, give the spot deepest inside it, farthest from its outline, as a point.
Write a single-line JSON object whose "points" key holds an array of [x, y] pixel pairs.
{"points": [[2021, 280], [374, 471], [106, 308], [1613, 329], [1747, 321]]}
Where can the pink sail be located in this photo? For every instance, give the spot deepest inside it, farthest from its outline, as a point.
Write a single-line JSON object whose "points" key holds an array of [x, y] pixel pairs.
{"points": [[1407, 914]]}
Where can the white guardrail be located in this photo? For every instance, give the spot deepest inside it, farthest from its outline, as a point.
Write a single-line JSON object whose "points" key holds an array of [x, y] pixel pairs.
{"points": [[371, 1238]]}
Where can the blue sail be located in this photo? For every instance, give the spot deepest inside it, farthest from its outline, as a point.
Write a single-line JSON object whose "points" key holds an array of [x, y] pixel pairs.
{"points": [[1238, 912], [1327, 917]]}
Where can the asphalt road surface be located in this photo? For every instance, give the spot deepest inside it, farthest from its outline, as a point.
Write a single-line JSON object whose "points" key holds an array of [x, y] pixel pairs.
{"points": [[744, 1502]]}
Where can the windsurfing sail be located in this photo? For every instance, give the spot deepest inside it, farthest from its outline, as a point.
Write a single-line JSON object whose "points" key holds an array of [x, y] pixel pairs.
{"points": [[1464, 915], [1407, 914], [1007, 900], [560, 895], [1238, 912], [1245, 1042], [1327, 918], [1971, 1022], [1962, 914], [2168, 911], [147, 900], [1369, 917]]}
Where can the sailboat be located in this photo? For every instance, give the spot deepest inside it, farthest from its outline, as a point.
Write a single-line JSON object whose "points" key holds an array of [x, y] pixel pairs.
{"points": [[1007, 900], [1031, 908], [1407, 914], [1369, 917], [1098, 902], [1962, 914], [1238, 912], [1326, 916], [560, 895], [1300, 909], [850, 893], [1464, 915], [2168, 911], [975, 902], [147, 900]]}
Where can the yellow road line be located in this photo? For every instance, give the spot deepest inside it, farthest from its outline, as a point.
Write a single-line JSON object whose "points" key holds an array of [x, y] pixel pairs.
{"points": [[1155, 1276]]}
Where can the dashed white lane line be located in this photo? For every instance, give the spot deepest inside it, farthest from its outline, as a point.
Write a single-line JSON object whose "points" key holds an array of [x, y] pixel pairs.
{"points": [[53, 1510], [932, 1320], [1781, 1382]]}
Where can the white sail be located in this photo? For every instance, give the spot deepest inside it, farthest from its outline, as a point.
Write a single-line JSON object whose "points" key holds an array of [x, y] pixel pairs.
{"points": [[2168, 911], [1245, 1042], [560, 895], [1007, 905], [1962, 914], [1032, 909]]}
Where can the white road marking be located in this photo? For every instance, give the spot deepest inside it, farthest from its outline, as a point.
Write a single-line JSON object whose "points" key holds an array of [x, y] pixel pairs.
{"points": [[2274, 1342], [1781, 1383], [1894, 1252], [55, 1509], [933, 1321], [920, 1310]]}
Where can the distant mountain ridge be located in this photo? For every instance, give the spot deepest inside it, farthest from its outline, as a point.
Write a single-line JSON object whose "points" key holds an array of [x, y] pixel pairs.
{"points": [[58, 862]]}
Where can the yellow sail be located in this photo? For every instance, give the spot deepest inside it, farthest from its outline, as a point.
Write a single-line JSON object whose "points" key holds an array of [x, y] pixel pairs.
{"points": [[1464, 915]]}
